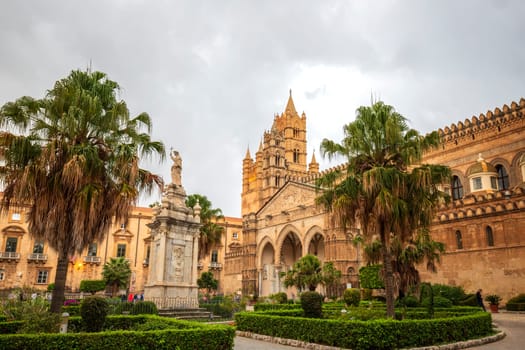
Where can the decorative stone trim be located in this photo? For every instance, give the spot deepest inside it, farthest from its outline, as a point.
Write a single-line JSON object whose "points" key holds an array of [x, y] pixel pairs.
{"points": [[312, 346]]}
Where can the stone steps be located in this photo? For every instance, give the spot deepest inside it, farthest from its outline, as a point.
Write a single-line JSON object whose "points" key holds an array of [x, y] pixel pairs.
{"points": [[186, 314]]}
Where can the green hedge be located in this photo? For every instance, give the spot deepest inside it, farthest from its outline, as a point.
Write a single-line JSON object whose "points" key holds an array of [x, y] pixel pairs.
{"points": [[270, 306], [515, 306], [376, 334], [179, 335]]}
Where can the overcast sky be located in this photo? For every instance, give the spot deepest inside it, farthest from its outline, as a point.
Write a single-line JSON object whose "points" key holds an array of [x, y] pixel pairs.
{"points": [[212, 74]]}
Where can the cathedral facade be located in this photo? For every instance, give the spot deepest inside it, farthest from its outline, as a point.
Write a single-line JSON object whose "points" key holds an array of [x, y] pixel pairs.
{"points": [[482, 227]]}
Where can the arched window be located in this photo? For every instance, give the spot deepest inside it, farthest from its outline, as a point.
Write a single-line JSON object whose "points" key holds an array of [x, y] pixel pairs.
{"points": [[296, 155], [457, 188], [459, 240], [490, 236], [278, 160], [503, 177], [277, 181]]}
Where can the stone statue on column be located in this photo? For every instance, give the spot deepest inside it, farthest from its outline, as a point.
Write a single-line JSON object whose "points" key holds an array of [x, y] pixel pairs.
{"points": [[176, 168]]}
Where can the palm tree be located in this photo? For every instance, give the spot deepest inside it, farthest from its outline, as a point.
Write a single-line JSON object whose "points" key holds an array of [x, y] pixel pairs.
{"points": [[74, 163], [382, 189], [210, 232], [116, 273], [308, 273]]}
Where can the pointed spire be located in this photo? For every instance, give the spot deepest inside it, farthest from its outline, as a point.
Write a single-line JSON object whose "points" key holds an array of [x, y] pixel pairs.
{"points": [[313, 167], [260, 146], [248, 156], [290, 107]]}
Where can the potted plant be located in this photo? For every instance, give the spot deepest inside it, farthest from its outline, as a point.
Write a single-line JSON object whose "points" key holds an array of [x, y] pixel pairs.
{"points": [[493, 300]]}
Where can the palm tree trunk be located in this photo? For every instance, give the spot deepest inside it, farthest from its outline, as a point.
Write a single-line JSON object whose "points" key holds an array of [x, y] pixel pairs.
{"points": [[389, 278], [60, 282]]}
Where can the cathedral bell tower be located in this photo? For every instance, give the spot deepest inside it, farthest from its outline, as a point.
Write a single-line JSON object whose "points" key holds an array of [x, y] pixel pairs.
{"points": [[281, 155]]}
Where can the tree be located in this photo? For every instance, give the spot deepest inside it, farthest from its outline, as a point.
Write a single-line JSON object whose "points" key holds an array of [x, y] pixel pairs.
{"points": [[210, 232], [383, 190], [208, 282], [308, 273], [72, 158], [116, 273]]}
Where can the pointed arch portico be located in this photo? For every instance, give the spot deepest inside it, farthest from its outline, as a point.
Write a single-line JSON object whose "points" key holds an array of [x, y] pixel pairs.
{"points": [[314, 242], [289, 246]]}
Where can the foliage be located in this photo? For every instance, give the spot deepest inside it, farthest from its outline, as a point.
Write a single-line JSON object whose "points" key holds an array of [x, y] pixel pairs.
{"points": [[72, 310], [70, 302], [453, 293], [76, 152], [144, 307], [493, 299], [469, 300], [116, 273], [516, 303], [352, 296], [226, 308], [210, 231], [165, 334], [307, 273], [208, 282], [93, 310], [369, 277], [280, 298], [409, 301], [50, 287], [34, 315], [427, 293], [375, 334], [92, 286], [438, 301], [383, 190], [271, 306], [312, 304]]}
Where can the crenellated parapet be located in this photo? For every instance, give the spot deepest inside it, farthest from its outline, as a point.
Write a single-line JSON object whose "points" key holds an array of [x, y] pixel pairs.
{"points": [[481, 205], [472, 129]]}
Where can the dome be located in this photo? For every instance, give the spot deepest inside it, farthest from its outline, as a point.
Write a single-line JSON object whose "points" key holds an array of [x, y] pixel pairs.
{"points": [[481, 167]]}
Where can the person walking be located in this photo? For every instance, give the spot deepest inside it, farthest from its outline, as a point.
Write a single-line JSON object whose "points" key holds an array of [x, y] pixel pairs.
{"points": [[479, 299]]}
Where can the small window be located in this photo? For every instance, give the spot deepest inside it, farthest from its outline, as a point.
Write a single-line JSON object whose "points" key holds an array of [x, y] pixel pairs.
{"points": [[10, 244], [42, 277], [459, 240], [296, 155], [92, 249], [2, 275], [476, 183], [235, 235], [214, 256], [148, 250], [503, 177], [490, 236], [277, 181], [121, 250], [493, 182], [16, 217], [122, 226], [38, 248]]}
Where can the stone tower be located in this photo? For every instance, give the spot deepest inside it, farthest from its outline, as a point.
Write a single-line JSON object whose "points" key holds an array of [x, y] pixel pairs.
{"points": [[172, 280], [281, 156]]}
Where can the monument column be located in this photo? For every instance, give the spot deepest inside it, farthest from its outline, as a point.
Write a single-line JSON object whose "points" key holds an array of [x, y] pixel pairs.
{"points": [[174, 281]]}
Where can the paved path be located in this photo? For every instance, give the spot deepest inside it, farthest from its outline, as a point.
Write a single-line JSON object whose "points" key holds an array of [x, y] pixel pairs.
{"points": [[513, 324]]}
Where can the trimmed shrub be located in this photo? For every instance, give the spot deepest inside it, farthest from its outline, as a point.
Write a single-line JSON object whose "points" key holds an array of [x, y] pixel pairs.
{"points": [[452, 293], [280, 298], [438, 302], [376, 334], [408, 301], [122, 307], [469, 300], [94, 311], [352, 296], [369, 277], [72, 310], [92, 286], [269, 306], [312, 304], [516, 303]]}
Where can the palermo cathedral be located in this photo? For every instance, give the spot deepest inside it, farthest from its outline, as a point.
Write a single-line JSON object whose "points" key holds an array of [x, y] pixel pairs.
{"points": [[482, 227]]}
